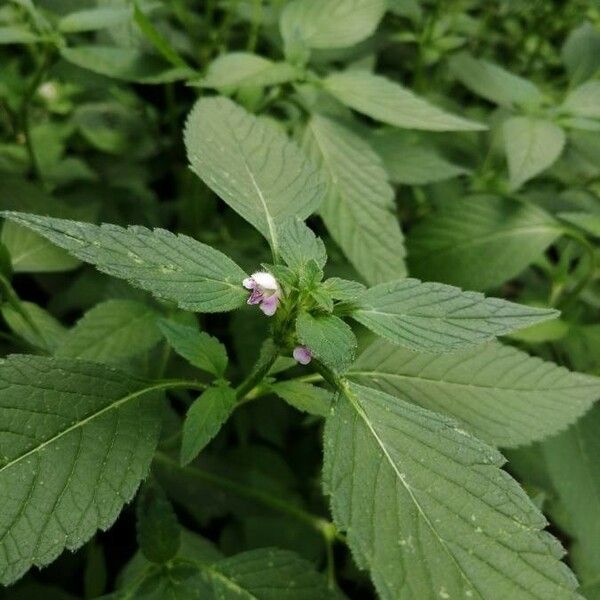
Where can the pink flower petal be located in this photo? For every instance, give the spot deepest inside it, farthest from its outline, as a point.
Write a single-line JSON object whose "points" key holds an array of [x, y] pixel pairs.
{"points": [[269, 305], [302, 354], [256, 297]]}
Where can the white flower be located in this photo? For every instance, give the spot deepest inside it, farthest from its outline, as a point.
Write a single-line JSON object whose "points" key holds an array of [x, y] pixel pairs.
{"points": [[265, 291]]}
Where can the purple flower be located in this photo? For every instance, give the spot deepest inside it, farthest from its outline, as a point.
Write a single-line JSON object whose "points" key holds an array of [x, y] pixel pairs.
{"points": [[264, 291], [302, 354]]}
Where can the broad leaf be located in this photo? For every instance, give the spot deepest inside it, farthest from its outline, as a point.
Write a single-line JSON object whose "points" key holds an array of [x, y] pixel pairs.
{"points": [[172, 267], [584, 101], [252, 165], [359, 210], [495, 83], [76, 440], [501, 394], [479, 242], [304, 396], [428, 510], [433, 317], [204, 419], [531, 146], [389, 102], [330, 23], [112, 332], [197, 347]]}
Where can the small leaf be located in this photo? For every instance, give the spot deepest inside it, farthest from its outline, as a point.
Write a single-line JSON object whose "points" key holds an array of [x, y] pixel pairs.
{"points": [[172, 267], [304, 396], [502, 395], [433, 317], [197, 347], [330, 339], [204, 419], [531, 145], [584, 101], [93, 19], [343, 289], [299, 245], [252, 165], [387, 101], [17, 34], [158, 531]]}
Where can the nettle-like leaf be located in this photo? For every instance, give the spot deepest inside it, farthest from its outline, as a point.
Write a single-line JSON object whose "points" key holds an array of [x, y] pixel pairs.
{"points": [[330, 23], [252, 165], [299, 245], [480, 241], [532, 145], [76, 440], [359, 210], [304, 396], [428, 510], [387, 101], [434, 317], [171, 267], [501, 394]]}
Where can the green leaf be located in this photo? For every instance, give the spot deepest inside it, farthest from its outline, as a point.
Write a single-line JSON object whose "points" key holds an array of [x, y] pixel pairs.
{"points": [[239, 69], [501, 394], [387, 101], [494, 83], [197, 347], [67, 427], [330, 339], [112, 332], [17, 34], [584, 101], [304, 397], [581, 52], [343, 289], [359, 210], [93, 19], [330, 23], [126, 64], [252, 165], [428, 510], [204, 419], [299, 245], [433, 317], [479, 242], [158, 531], [590, 223], [172, 267], [410, 160], [531, 145]]}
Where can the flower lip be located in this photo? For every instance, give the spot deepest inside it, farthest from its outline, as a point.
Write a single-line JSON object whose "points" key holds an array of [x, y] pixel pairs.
{"points": [[264, 291]]}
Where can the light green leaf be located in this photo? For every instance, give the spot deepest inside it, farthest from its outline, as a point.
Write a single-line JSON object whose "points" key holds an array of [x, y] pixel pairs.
{"points": [[330, 23], [252, 165], [126, 64], [344, 289], [304, 396], [112, 332], [197, 347], [204, 419], [299, 245], [428, 510], [93, 19], [172, 267], [66, 428], [480, 241], [433, 317], [387, 101], [494, 83], [590, 223], [501, 394], [17, 34], [359, 210], [531, 146], [239, 69], [409, 160], [581, 52], [330, 339], [584, 101]]}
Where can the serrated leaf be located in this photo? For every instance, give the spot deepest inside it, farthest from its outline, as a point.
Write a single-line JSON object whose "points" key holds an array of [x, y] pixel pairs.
{"points": [[330, 339], [330, 23], [304, 396], [299, 245], [584, 101], [197, 347], [67, 427], [531, 145], [172, 267], [387, 101], [428, 510], [359, 209], [239, 69], [502, 395], [479, 242], [344, 289], [252, 165], [494, 83], [112, 332], [433, 317], [204, 419]]}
